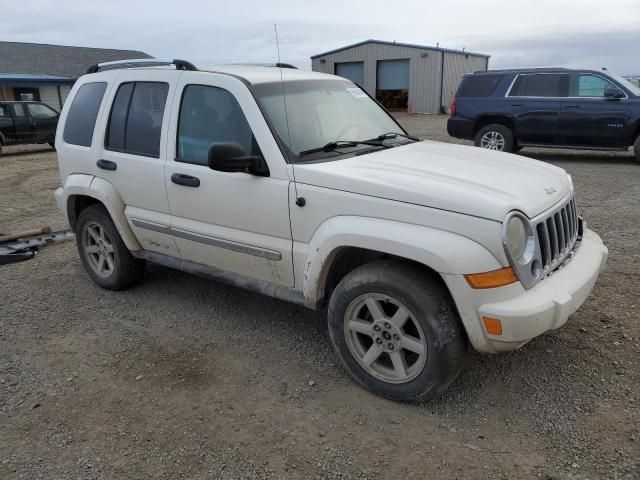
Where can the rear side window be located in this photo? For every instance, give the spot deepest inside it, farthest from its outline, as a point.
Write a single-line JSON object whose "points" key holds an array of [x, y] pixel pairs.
{"points": [[541, 85], [81, 119], [479, 85], [135, 123]]}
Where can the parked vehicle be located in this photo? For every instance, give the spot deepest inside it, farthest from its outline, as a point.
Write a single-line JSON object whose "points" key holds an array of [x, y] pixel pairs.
{"points": [[509, 109], [320, 198], [27, 122]]}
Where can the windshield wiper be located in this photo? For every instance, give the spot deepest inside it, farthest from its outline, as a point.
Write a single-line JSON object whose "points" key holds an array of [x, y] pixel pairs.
{"points": [[329, 147], [388, 135]]}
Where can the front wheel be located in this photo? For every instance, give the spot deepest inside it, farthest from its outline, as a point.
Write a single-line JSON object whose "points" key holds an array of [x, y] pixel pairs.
{"points": [[495, 137], [396, 330]]}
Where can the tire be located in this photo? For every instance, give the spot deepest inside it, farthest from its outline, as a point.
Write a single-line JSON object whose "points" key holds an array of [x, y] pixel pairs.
{"points": [[0, 148], [636, 148], [52, 145], [495, 137], [97, 238], [433, 324]]}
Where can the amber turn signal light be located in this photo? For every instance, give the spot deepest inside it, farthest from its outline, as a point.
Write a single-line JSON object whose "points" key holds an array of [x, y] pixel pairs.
{"points": [[493, 279], [493, 326]]}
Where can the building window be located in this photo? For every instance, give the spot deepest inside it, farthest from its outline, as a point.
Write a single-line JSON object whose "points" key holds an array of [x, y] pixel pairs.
{"points": [[24, 94]]}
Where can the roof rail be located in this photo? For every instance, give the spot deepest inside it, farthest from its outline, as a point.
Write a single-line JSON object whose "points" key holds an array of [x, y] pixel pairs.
{"points": [[277, 65], [143, 62]]}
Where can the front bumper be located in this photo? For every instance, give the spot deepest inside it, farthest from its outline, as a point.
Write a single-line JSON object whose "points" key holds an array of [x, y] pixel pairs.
{"points": [[525, 314]]}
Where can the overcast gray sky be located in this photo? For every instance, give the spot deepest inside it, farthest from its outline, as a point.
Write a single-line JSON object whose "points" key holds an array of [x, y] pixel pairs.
{"points": [[591, 33]]}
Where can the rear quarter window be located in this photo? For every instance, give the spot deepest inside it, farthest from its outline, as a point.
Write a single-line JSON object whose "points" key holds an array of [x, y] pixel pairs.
{"points": [[4, 111], [479, 85], [81, 119]]}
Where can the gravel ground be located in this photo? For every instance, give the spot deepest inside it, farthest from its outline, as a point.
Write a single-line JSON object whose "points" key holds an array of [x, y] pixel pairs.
{"points": [[182, 377]]}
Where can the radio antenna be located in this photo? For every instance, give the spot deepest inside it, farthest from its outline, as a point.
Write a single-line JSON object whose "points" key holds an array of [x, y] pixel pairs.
{"points": [[300, 201]]}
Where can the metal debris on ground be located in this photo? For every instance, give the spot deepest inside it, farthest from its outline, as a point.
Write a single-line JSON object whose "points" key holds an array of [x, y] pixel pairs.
{"points": [[24, 245]]}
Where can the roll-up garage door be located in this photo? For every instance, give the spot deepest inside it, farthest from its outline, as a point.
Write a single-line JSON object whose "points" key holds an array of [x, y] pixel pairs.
{"points": [[393, 83], [354, 71]]}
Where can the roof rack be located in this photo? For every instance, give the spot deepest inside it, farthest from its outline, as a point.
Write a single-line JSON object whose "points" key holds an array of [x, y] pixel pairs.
{"points": [[144, 62], [277, 65]]}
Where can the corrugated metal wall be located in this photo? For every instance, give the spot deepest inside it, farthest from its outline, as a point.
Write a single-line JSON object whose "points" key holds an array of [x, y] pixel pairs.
{"points": [[424, 72], [456, 65]]}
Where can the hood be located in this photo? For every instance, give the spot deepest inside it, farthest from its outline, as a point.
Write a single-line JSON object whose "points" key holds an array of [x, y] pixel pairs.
{"points": [[463, 179]]}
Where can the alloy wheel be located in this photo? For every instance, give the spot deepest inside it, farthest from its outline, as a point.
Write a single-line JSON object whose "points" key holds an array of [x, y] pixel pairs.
{"points": [[98, 249], [493, 140], [385, 338]]}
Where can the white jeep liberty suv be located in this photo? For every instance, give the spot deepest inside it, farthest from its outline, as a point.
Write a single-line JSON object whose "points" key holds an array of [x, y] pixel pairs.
{"points": [[300, 186]]}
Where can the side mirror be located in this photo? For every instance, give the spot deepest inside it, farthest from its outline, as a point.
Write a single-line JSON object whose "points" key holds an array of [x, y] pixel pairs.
{"points": [[613, 92], [231, 157]]}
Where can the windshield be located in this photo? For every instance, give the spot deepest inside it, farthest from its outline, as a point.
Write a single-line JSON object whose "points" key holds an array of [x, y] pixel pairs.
{"points": [[626, 83], [323, 111]]}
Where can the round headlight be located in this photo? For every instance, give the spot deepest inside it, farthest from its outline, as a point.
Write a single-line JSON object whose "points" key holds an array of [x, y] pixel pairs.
{"points": [[516, 237]]}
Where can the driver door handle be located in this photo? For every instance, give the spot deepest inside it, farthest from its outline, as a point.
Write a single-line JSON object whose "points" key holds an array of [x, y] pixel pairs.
{"points": [[185, 180]]}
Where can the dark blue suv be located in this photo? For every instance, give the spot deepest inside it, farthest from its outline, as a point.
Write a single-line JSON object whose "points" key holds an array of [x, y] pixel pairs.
{"points": [[552, 107]]}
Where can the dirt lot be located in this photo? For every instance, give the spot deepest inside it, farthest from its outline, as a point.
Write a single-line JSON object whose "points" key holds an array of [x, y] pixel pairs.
{"points": [[181, 377]]}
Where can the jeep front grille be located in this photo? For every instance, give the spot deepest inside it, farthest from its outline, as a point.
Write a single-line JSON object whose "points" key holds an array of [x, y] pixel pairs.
{"points": [[557, 234], [553, 236]]}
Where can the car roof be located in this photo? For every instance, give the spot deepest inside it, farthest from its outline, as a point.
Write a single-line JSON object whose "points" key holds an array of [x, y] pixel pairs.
{"points": [[253, 74]]}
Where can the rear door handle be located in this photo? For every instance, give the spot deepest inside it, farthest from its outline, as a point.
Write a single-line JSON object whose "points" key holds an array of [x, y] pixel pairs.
{"points": [[517, 104], [186, 180], [571, 106], [107, 164]]}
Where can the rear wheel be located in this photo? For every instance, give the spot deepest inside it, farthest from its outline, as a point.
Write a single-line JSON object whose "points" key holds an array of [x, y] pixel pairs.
{"points": [[104, 255], [396, 330], [495, 137]]}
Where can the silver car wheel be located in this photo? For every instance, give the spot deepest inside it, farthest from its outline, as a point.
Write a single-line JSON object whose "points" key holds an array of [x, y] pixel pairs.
{"points": [[98, 249], [492, 140], [385, 338]]}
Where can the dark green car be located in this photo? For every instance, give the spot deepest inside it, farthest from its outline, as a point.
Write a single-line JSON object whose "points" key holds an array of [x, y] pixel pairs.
{"points": [[27, 122]]}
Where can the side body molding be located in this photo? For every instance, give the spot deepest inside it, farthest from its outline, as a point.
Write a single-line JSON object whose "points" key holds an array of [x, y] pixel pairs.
{"points": [[444, 252], [103, 191]]}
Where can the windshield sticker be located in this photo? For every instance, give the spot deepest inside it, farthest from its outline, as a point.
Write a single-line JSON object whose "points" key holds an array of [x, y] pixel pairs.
{"points": [[356, 92]]}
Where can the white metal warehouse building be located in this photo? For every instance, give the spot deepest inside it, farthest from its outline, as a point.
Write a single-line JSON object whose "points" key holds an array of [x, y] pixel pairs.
{"points": [[417, 78]]}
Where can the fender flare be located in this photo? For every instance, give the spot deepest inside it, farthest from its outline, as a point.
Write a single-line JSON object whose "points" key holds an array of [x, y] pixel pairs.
{"points": [[105, 193], [442, 251]]}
